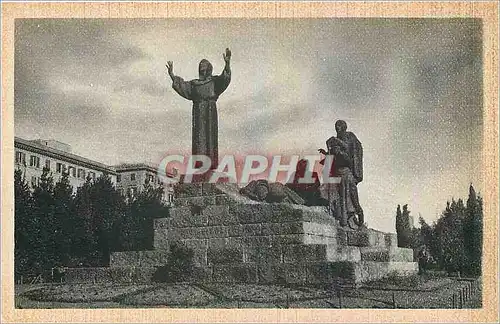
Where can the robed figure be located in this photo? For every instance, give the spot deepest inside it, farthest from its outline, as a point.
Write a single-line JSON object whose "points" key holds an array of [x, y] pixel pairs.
{"points": [[347, 164], [204, 92]]}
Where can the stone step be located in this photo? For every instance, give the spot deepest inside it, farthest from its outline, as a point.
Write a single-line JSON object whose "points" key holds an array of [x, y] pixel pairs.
{"points": [[386, 254], [186, 190], [330, 273], [298, 253], [138, 258], [343, 272], [202, 201], [110, 275], [220, 237], [209, 215], [293, 254], [204, 254]]}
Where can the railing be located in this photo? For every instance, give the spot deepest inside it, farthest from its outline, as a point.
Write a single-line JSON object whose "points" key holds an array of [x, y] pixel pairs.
{"points": [[465, 293]]}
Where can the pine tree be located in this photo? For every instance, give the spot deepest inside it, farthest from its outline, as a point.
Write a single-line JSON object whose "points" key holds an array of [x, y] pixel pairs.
{"points": [[41, 230], [64, 219], [82, 245], [107, 208], [136, 228]]}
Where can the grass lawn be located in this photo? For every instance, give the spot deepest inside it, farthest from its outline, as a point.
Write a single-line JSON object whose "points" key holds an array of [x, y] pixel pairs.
{"points": [[411, 292]]}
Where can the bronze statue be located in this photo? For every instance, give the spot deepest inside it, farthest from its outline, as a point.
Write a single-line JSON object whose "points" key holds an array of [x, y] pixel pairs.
{"points": [[347, 152], [274, 192], [310, 192], [204, 93]]}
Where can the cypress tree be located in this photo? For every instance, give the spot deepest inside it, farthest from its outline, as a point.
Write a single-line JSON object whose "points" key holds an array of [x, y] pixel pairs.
{"points": [[473, 232]]}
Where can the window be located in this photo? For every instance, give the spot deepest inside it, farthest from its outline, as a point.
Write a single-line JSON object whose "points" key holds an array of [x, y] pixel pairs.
{"points": [[47, 164], [132, 176], [122, 192], [73, 172], [81, 173], [91, 175], [170, 198], [150, 179], [33, 182], [34, 161], [21, 158], [58, 167], [132, 191], [118, 177]]}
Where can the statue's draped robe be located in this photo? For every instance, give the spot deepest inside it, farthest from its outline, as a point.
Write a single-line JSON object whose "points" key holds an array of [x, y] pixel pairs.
{"points": [[204, 94], [348, 166]]}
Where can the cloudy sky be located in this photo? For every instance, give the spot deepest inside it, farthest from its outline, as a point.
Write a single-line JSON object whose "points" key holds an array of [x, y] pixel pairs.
{"points": [[410, 89]]}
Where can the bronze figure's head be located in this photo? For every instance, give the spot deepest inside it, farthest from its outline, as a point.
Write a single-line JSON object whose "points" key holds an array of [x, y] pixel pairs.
{"points": [[205, 69]]}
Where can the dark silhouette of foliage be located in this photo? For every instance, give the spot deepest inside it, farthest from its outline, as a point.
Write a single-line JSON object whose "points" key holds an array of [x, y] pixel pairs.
{"points": [[455, 239], [23, 226], [64, 215], [473, 232], [55, 228], [43, 254], [403, 228], [136, 229], [99, 206]]}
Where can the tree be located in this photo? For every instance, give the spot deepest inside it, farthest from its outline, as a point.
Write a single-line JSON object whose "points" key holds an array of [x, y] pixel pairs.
{"points": [[426, 232], [473, 232], [449, 232], [136, 229], [41, 231], [23, 205], [98, 206], [82, 246], [64, 219], [107, 207], [403, 228]]}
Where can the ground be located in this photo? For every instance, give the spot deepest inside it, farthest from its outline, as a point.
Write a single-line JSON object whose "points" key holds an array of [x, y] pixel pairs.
{"points": [[412, 292]]}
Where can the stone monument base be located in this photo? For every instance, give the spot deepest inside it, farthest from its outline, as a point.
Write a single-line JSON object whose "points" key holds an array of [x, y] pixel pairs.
{"points": [[235, 239]]}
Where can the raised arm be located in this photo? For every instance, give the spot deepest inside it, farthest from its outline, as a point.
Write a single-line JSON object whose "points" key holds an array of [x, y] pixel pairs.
{"points": [[170, 69], [227, 60], [222, 81], [182, 87]]}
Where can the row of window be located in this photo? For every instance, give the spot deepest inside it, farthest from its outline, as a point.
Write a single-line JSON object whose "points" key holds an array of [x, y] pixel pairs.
{"points": [[60, 167], [131, 191], [149, 178]]}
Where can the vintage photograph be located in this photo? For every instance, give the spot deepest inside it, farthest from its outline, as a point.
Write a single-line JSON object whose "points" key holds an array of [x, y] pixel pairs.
{"points": [[242, 163]]}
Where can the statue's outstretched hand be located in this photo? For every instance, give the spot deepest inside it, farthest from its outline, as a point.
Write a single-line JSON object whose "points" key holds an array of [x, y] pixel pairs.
{"points": [[322, 151], [170, 68], [227, 55]]}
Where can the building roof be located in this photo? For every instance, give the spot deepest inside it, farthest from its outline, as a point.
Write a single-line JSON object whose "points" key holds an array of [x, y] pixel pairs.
{"points": [[128, 167], [45, 150]]}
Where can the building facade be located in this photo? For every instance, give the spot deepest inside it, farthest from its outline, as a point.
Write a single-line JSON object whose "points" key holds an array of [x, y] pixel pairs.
{"points": [[32, 156], [131, 178]]}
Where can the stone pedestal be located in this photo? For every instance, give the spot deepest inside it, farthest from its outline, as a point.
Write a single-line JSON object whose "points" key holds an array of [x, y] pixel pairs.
{"points": [[235, 239]]}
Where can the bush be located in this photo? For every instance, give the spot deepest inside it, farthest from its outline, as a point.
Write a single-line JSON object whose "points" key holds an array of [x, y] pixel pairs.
{"points": [[179, 265]]}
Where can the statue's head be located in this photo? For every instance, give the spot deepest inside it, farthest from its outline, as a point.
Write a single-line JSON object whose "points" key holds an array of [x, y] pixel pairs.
{"points": [[205, 69], [340, 127]]}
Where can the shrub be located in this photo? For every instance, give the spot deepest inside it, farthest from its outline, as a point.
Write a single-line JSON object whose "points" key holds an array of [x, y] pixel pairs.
{"points": [[179, 265]]}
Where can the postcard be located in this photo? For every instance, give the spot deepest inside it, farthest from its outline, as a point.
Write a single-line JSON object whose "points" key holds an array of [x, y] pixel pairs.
{"points": [[250, 162]]}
